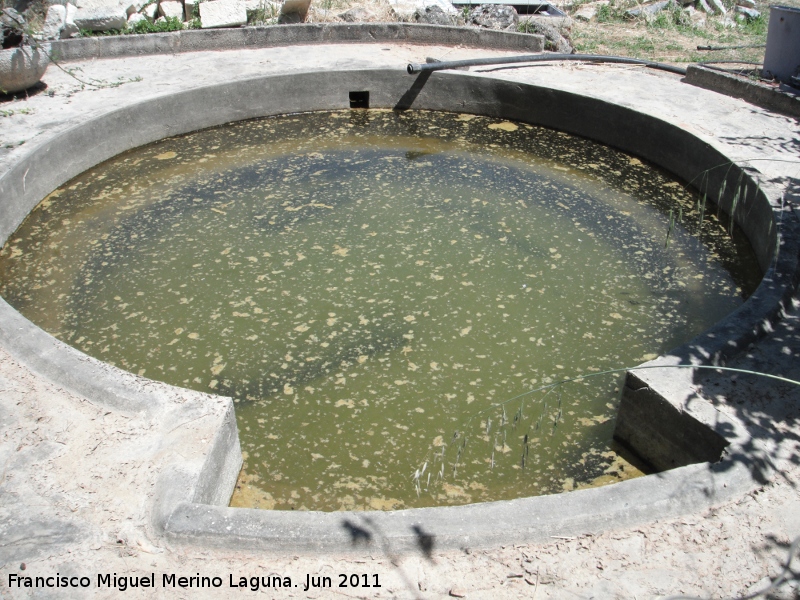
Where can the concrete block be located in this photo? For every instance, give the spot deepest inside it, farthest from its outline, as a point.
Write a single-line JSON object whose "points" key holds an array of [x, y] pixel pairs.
{"points": [[171, 8], [54, 22], [97, 4], [222, 13], [101, 19]]}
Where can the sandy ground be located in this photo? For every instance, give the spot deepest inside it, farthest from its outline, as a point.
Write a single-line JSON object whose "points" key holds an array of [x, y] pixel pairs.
{"points": [[71, 472], [725, 552]]}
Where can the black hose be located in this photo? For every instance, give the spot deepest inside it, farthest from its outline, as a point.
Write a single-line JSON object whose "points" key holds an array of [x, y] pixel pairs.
{"points": [[729, 62], [414, 68], [713, 48]]}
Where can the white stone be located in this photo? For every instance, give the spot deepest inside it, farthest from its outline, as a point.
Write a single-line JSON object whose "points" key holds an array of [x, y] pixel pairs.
{"points": [[134, 7], [150, 11], [587, 12], [54, 22], [101, 19], [748, 13], [171, 8], [718, 7], [703, 6], [136, 18], [97, 4], [70, 29], [130, 6], [405, 9], [222, 13]]}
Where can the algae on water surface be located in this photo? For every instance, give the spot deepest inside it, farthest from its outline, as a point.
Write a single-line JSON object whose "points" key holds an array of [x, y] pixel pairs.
{"points": [[362, 283]]}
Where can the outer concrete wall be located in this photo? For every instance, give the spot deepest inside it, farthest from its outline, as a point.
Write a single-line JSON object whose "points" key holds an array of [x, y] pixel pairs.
{"points": [[738, 87], [286, 35], [182, 507]]}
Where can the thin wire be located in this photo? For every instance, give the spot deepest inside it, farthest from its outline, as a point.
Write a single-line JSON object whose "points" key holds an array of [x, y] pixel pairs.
{"points": [[550, 386]]}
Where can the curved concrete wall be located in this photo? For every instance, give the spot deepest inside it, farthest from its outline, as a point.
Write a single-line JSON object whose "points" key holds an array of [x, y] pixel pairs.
{"points": [[185, 505], [194, 40]]}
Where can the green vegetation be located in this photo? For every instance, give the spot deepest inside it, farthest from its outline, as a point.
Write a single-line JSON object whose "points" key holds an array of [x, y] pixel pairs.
{"points": [[169, 24], [146, 26], [22, 111], [266, 14]]}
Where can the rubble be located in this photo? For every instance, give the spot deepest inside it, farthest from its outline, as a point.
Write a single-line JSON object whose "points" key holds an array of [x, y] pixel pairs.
{"points": [[494, 16]]}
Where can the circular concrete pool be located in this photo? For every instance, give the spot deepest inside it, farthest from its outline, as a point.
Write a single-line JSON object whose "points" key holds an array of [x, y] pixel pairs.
{"points": [[186, 501], [374, 287]]}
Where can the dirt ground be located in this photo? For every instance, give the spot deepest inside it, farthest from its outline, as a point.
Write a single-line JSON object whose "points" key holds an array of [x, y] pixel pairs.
{"points": [[726, 552]]}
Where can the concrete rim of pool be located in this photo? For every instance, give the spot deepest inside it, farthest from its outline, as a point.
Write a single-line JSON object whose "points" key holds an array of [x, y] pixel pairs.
{"points": [[709, 456]]}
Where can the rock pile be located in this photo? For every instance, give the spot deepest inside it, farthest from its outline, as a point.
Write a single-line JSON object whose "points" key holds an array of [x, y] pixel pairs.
{"points": [[695, 11], [68, 19], [494, 16]]}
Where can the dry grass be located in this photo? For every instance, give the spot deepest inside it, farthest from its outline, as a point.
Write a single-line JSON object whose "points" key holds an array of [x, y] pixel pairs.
{"points": [[671, 37]]}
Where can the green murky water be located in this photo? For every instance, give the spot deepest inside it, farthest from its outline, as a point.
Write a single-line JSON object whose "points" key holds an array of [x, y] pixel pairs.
{"points": [[366, 284]]}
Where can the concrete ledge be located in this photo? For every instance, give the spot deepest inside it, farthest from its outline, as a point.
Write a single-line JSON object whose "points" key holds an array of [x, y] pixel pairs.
{"points": [[750, 91], [193, 40], [528, 520], [187, 499]]}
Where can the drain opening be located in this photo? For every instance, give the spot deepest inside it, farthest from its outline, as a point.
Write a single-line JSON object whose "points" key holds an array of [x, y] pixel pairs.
{"points": [[359, 99]]}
